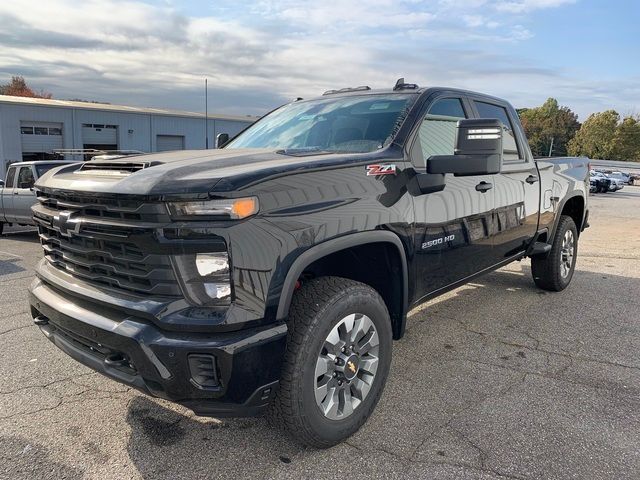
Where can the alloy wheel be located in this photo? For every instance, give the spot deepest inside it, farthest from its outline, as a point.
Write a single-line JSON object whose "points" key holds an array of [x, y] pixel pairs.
{"points": [[346, 366]]}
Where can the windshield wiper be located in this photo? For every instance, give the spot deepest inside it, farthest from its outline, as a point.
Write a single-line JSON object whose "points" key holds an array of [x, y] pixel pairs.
{"points": [[302, 151]]}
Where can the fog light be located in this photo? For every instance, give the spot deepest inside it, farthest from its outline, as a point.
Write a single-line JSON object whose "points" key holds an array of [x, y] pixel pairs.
{"points": [[212, 263]]}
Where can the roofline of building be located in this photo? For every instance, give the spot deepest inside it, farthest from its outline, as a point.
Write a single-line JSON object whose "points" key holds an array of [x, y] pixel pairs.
{"points": [[107, 107]]}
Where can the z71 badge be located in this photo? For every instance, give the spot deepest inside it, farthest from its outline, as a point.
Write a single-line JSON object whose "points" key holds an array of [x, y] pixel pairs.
{"points": [[375, 170]]}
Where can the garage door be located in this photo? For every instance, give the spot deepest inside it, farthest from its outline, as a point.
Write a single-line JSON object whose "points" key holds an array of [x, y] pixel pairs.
{"points": [[39, 137], [97, 134], [165, 143]]}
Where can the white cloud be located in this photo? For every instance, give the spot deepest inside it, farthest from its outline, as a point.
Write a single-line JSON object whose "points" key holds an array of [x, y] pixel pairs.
{"points": [[258, 53]]}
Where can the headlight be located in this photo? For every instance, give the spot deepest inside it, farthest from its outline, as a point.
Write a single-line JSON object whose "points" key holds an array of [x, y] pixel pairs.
{"points": [[231, 208], [205, 278]]}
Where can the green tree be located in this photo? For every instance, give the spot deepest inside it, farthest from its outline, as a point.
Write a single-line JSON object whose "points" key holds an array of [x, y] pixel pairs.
{"points": [[546, 124], [625, 144], [18, 88], [595, 137]]}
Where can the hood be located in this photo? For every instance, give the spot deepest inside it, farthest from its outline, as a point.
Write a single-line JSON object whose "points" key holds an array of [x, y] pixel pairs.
{"points": [[194, 173]]}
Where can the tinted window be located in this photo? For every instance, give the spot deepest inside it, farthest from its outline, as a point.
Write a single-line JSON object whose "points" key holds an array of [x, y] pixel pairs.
{"points": [[437, 133], [11, 173], [509, 145], [41, 169], [449, 107], [26, 130], [25, 178]]}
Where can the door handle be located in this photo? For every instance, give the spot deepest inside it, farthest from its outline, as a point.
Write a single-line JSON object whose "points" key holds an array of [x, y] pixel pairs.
{"points": [[484, 186], [531, 179]]}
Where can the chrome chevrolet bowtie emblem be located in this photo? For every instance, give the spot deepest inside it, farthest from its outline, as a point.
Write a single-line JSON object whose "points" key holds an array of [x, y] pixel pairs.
{"points": [[67, 223]]}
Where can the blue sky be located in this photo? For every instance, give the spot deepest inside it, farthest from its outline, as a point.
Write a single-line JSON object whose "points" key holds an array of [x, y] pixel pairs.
{"points": [[260, 54]]}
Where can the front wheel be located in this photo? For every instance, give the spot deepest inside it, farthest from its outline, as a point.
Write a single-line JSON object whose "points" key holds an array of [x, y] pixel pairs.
{"points": [[336, 363], [554, 272]]}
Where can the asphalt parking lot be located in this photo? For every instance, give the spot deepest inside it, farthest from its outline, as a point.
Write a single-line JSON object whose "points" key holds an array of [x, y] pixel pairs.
{"points": [[494, 380]]}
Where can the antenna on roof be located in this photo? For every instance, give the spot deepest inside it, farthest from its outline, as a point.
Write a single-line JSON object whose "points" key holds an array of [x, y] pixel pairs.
{"points": [[401, 85]]}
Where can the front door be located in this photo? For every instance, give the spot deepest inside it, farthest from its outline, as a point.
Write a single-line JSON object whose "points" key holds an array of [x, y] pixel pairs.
{"points": [[454, 226], [7, 195], [23, 195], [516, 187]]}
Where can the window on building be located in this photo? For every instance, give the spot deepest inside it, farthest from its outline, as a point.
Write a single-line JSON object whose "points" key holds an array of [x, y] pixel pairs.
{"points": [[55, 131], [41, 130], [26, 130], [509, 144]]}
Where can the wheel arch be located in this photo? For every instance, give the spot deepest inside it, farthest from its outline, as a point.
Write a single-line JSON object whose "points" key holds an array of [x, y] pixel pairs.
{"points": [[395, 298], [573, 205]]}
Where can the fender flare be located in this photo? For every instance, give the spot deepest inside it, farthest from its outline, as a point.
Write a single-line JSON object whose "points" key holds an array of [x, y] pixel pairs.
{"points": [[335, 245], [563, 202]]}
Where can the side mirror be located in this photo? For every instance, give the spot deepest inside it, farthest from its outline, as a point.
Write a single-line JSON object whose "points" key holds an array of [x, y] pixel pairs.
{"points": [[222, 139], [478, 150]]}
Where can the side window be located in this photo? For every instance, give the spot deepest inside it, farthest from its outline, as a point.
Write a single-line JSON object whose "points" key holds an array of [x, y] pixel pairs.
{"points": [[437, 132], [11, 174], [509, 145], [25, 178]]}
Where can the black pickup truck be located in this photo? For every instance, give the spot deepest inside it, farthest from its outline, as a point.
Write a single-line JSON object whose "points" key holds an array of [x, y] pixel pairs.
{"points": [[274, 273]]}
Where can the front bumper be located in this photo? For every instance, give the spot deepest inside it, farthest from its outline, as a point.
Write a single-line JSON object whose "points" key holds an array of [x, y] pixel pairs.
{"points": [[134, 351]]}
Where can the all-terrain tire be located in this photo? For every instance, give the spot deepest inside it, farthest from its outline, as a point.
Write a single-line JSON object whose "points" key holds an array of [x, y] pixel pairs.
{"points": [[547, 271], [317, 307]]}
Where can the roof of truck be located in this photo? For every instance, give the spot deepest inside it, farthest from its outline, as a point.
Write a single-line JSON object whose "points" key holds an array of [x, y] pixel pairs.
{"points": [[42, 162], [348, 92]]}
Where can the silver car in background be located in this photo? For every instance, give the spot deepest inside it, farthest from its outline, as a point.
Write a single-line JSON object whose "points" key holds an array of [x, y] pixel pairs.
{"points": [[16, 194]]}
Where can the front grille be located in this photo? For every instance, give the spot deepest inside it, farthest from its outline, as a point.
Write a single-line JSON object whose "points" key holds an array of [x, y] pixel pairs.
{"points": [[98, 241]]}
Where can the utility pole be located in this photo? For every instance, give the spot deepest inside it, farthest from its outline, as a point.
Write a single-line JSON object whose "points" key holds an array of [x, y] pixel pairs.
{"points": [[551, 146], [206, 114]]}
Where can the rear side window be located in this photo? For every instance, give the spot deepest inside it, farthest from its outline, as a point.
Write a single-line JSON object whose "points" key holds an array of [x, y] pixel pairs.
{"points": [[437, 132], [11, 174], [25, 178], [44, 168], [509, 145]]}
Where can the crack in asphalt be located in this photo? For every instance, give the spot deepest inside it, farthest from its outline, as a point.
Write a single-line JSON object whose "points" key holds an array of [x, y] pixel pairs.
{"points": [[46, 385], [483, 456], [15, 328], [545, 351]]}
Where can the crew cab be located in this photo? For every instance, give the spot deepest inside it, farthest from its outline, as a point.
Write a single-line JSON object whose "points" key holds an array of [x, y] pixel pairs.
{"points": [[16, 194], [273, 274]]}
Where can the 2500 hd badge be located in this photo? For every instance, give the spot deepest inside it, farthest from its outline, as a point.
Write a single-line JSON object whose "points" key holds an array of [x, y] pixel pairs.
{"points": [[438, 241]]}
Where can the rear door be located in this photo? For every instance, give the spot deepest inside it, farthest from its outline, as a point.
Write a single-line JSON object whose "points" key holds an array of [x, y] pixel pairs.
{"points": [[516, 187], [23, 195], [453, 226], [7, 195]]}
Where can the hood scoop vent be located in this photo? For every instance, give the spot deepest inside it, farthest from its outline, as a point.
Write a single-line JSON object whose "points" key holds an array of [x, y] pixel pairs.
{"points": [[112, 168]]}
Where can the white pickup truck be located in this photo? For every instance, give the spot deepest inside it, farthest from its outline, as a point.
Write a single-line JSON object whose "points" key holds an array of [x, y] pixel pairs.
{"points": [[16, 194]]}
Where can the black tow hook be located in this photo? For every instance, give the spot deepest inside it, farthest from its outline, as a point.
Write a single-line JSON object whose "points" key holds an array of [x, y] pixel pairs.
{"points": [[41, 320], [116, 360]]}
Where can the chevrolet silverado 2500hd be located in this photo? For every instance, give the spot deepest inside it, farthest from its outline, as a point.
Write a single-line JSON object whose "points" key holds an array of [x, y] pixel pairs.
{"points": [[275, 272]]}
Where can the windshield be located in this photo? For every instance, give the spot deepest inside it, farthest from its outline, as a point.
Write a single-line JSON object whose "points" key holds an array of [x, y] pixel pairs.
{"points": [[344, 124]]}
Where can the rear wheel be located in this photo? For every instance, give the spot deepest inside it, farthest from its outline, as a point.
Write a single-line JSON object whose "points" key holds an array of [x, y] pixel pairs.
{"points": [[554, 272], [337, 361]]}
